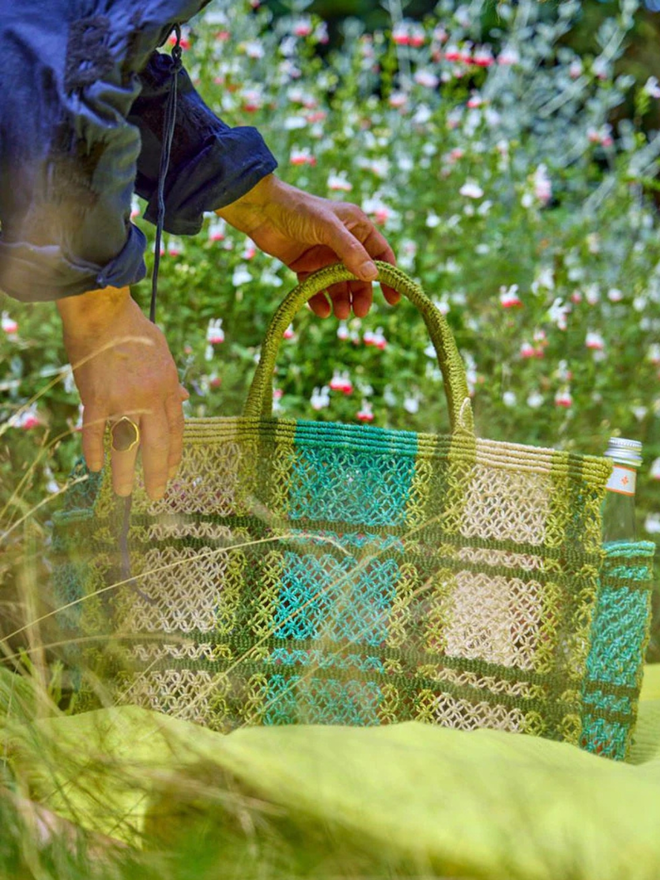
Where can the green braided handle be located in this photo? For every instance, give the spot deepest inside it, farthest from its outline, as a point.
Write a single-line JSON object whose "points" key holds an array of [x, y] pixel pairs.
{"points": [[260, 396]]}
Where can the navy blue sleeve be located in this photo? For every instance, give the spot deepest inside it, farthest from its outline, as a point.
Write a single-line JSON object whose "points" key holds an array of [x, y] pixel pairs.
{"points": [[211, 164]]}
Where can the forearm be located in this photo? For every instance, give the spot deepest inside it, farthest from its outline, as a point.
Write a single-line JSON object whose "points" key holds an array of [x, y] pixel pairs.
{"points": [[90, 314], [249, 212]]}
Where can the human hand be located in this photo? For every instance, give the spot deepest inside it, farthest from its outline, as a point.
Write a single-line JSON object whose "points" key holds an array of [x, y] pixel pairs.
{"points": [[306, 233], [123, 367]]}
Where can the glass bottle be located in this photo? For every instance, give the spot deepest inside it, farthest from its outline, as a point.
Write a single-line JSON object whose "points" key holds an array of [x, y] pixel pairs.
{"points": [[619, 505]]}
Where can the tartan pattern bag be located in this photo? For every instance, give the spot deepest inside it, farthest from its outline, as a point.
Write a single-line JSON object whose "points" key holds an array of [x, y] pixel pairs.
{"points": [[326, 573]]}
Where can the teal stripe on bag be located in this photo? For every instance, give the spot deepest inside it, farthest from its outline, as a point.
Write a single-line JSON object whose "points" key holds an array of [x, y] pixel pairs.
{"points": [[330, 480]]}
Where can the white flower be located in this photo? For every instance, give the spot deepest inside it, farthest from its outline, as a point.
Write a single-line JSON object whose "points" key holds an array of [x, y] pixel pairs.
{"points": [[654, 473], [652, 88], [509, 398], [595, 341], [542, 184], [422, 114], [592, 294], [253, 49], [432, 220], [614, 295], [292, 123], [427, 79], [339, 182], [652, 524], [214, 333], [241, 276], [535, 400], [471, 190], [545, 279], [508, 56], [557, 313], [575, 69], [9, 325], [411, 403]]}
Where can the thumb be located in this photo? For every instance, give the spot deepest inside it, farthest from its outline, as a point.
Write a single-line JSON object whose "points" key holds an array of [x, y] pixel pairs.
{"points": [[349, 250]]}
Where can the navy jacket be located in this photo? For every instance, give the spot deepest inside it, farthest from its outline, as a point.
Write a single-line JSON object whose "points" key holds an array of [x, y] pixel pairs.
{"points": [[82, 100]]}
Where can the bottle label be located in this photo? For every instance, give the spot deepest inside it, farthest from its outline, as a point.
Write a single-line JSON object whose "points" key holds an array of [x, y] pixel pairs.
{"points": [[622, 481]]}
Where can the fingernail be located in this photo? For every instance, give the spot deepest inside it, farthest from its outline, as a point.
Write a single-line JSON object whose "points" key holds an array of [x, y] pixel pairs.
{"points": [[368, 271], [124, 491], [158, 493]]}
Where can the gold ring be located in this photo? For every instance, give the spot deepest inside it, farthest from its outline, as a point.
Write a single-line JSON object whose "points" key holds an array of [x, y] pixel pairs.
{"points": [[125, 435]]}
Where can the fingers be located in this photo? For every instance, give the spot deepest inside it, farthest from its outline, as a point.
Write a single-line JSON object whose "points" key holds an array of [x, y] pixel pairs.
{"points": [[340, 294], [349, 250], [175, 421], [320, 306], [92, 436], [123, 469], [155, 446]]}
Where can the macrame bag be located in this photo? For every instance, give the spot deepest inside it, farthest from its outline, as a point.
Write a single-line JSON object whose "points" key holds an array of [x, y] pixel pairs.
{"points": [[311, 572]]}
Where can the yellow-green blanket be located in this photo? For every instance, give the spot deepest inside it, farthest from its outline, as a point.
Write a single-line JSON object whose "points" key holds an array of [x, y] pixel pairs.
{"points": [[484, 803]]}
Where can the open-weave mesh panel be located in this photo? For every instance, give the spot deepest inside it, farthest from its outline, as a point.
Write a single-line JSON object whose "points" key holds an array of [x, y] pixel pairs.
{"points": [[332, 574]]}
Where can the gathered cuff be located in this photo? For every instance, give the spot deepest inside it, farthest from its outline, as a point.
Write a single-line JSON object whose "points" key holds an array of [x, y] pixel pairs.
{"points": [[232, 162], [33, 273]]}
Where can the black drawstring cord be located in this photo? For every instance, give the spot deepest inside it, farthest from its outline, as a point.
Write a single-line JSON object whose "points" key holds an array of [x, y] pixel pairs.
{"points": [[166, 148], [169, 124]]}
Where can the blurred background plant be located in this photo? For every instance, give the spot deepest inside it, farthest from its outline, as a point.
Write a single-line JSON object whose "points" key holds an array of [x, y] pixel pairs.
{"points": [[508, 152], [494, 157]]}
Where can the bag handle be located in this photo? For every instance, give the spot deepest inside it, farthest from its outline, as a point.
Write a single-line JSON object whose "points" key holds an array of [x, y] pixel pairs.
{"points": [[259, 402]]}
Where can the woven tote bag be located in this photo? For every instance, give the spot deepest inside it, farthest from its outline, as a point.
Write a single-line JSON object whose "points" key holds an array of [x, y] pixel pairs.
{"points": [[345, 574]]}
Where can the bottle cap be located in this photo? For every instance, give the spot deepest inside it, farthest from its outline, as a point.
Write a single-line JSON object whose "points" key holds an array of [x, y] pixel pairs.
{"points": [[624, 451]]}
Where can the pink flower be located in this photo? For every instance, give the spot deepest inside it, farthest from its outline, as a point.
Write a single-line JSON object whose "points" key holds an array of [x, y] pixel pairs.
{"points": [[302, 27], [9, 325], [471, 190], [564, 398], [368, 337], [28, 418], [527, 350], [222, 36], [379, 339], [290, 333], [509, 298], [427, 79], [278, 394], [398, 100], [343, 332], [508, 56], [185, 42], [595, 341], [456, 153], [365, 414], [483, 57], [653, 354], [440, 34], [215, 335], [654, 473], [252, 100], [575, 69], [417, 38], [217, 230], [453, 53], [400, 35], [175, 247], [542, 184], [474, 101], [302, 157]]}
